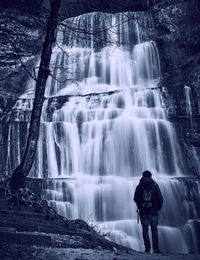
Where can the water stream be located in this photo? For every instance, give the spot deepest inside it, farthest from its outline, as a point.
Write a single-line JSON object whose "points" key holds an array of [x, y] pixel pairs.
{"points": [[93, 148]]}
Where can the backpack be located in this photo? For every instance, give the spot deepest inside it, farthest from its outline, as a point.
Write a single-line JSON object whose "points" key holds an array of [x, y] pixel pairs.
{"points": [[147, 197]]}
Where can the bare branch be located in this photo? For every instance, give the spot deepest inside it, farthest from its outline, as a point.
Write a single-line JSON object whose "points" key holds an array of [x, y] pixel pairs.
{"points": [[62, 81], [62, 49], [18, 56], [9, 75]]}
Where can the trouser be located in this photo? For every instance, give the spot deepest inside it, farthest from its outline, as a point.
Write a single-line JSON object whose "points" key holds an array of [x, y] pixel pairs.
{"points": [[151, 220]]}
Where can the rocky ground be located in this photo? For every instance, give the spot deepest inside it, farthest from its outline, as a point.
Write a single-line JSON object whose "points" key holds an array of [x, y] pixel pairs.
{"points": [[29, 229], [8, 252]]}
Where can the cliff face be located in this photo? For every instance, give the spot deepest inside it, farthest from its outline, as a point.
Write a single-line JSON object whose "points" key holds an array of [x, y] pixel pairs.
{"points": [[177, 35], [176, 28]]}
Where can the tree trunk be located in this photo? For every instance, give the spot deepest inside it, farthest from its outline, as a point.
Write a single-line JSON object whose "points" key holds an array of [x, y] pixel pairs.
{"points": [[20, 173]]}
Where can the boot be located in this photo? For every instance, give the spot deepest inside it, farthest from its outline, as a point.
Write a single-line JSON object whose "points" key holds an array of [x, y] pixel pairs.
{"points": [[156, 251]]}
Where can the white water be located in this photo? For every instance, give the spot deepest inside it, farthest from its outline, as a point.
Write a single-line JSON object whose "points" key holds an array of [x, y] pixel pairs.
{"points": [[94, 148], [188, 102], [189, 113]]}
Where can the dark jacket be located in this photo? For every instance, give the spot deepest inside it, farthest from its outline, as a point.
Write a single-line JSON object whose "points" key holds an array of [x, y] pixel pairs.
{"points": [[157, 198]]}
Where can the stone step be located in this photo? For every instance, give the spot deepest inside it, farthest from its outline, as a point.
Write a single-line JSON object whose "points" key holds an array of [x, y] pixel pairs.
{"points": [[18, 227], [18, 219], [31, 221], [32, 215], [32, 228], [25, 239], [7, 229], [3, 203], [26, 209]]}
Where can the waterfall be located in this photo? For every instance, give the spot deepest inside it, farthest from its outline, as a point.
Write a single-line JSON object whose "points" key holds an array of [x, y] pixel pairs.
{"points": [[188, 102], [103, 124], [189, 114]]}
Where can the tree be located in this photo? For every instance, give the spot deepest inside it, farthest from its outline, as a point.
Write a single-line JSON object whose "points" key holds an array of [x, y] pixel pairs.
{"points": [[18, 176]]}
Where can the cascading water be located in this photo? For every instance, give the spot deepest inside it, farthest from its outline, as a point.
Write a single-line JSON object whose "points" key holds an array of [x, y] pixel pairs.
{"points": [[104, 124], [188, 102], [189, 114]]}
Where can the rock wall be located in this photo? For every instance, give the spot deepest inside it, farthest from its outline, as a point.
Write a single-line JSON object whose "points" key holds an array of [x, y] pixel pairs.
{"points": [[177, 26]]}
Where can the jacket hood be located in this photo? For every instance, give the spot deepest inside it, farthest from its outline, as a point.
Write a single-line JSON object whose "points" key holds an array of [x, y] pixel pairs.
{"points": [[146, 181]]}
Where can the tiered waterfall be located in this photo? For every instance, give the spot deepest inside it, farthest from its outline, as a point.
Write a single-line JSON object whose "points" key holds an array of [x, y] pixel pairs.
{"points": [[104, 122]]}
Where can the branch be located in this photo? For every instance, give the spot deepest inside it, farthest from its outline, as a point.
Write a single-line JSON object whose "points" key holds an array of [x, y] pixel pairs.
{"points": [[19, 57], [10, 74], [62, 81], [62, 49]]}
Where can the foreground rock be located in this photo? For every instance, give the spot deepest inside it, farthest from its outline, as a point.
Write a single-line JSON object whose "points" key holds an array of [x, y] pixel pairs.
{"points": [[29, 229], [53, 253], [25, 219]]}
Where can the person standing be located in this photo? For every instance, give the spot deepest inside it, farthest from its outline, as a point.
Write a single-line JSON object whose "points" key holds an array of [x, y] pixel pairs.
{"points": [[149, 201]]}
